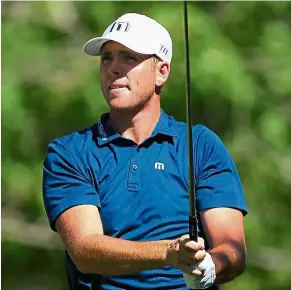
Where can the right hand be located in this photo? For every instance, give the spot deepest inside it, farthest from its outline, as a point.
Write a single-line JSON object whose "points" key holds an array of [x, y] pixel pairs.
{"points": [[185, 254]]}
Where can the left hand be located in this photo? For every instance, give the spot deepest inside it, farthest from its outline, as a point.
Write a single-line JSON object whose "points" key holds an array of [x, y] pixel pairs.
{"points": [[206, 279]]}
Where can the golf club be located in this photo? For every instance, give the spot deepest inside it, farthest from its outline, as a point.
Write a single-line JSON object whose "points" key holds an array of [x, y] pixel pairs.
{"points": [[193, 231]]}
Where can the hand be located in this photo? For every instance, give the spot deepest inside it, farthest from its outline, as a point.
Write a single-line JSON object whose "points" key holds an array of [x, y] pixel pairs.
{"points": [[185, 255], [207, 267]]}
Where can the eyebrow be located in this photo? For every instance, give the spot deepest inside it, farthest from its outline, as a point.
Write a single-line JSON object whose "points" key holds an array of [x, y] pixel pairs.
{"points": [[121, 52]]}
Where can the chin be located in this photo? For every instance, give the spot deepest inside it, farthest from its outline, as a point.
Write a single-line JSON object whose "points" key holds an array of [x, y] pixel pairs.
{"points": [[120, 105], [118, 102], [126, 102]]}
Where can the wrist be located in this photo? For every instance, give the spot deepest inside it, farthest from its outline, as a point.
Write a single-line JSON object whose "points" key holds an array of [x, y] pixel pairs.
{"points": [[172, 248]]}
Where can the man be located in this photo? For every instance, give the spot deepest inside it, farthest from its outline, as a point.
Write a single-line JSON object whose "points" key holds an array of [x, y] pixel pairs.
{"points": [[117, 193]]}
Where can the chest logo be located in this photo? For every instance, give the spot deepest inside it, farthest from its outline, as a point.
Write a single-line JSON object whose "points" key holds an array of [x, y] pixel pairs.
{"points": [[159, 166]]}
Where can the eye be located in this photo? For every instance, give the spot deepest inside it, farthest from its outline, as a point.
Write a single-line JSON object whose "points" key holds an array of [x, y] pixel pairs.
{"points": [[106, 58], [129, 58]]}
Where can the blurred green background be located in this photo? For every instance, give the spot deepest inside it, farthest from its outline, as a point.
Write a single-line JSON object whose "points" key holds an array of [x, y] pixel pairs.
{"points": [[241, 89]]}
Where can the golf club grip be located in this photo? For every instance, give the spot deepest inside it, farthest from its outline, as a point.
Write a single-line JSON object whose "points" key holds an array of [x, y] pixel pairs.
{"points": [[193, 231]]}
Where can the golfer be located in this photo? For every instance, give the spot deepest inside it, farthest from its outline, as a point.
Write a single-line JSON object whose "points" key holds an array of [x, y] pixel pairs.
{"points": [[117, 192]]}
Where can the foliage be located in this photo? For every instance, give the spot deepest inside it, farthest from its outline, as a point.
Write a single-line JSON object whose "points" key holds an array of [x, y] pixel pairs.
{"points": [[240, 82]]}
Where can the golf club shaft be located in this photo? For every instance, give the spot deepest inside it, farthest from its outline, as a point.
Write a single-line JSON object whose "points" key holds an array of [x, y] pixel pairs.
{"points": [[193, 232]]}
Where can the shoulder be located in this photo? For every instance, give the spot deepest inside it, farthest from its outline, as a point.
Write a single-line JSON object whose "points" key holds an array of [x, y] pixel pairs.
{"points": [[200, 133], [74, 149], [76, 141], [208, 146]]}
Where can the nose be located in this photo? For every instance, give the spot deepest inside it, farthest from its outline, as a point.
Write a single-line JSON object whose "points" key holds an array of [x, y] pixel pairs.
{"points": [[114, 68]]}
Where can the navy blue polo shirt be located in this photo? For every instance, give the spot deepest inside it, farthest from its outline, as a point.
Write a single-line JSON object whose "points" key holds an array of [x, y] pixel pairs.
{"points": [[141, 190]]}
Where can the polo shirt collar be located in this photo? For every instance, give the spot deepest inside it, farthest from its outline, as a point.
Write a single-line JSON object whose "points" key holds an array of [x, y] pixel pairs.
{"points": [[106, 134], [164, 126]]}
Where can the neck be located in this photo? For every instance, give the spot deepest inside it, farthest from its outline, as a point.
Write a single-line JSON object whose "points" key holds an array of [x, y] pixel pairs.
{"points": [[135, 124]]}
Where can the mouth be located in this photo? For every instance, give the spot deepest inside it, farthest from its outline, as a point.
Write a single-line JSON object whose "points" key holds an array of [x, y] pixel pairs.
{"points": [[115, 87]]}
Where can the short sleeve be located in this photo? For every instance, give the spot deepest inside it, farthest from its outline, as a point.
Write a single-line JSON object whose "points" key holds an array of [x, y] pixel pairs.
{"points": [[64, 183], [218, 182]]}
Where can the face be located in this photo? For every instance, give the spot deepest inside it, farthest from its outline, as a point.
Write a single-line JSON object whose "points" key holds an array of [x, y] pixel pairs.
{"points": [[128, 79]]}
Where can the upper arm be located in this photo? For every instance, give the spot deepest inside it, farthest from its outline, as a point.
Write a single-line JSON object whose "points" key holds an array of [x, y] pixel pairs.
{"points": [[74, 227], [65, 182], [217, 179], [220, 197], [224, 233], [222, 225], [76, 223]]}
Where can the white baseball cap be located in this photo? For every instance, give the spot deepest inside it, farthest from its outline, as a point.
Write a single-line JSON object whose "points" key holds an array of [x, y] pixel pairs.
{"points": [[137, 32]]}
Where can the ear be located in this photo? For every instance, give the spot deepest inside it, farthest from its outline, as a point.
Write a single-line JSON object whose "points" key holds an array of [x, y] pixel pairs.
{"points": [[162, 70]]}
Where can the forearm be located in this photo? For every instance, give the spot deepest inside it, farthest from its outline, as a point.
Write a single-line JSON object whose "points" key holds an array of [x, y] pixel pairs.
{"points": [[229, 259], [109, 256]]}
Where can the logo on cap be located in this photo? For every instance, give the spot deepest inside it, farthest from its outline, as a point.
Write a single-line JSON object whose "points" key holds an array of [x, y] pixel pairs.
{"points": [[120, 26], [163, 50]]}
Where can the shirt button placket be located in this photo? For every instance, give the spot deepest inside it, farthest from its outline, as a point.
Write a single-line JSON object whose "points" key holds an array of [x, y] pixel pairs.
{"points": [[133, 180]]}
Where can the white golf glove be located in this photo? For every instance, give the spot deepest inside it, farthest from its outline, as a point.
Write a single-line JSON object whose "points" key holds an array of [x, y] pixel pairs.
{"points": [[207, 267]]}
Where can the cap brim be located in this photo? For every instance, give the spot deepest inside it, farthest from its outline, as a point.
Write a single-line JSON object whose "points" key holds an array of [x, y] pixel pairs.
{"points": [[93, 46]]}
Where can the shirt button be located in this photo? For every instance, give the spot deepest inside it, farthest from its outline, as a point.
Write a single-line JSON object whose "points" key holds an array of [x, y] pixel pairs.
{"points": [[134, 167]]}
